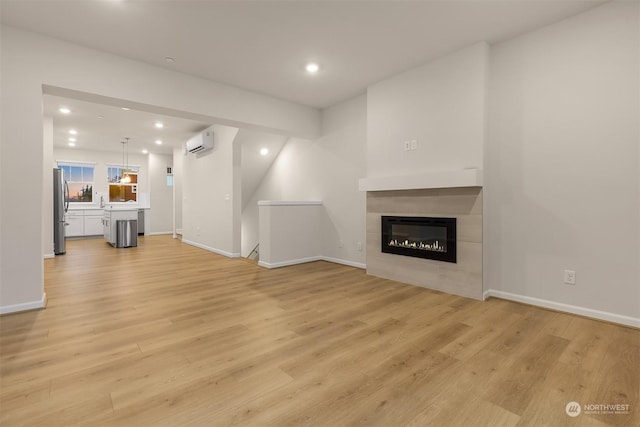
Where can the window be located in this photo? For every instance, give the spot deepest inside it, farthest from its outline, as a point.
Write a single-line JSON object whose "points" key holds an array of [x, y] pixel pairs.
{"points": [[119, 191], [79, 177], [169, 177]]}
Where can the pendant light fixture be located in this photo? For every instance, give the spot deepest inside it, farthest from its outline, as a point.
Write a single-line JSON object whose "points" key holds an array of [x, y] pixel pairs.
{"points": [[125, 178]]}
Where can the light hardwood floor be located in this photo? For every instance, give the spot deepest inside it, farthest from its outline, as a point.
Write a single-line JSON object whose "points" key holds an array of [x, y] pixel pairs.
{"points": [[168, 334]]}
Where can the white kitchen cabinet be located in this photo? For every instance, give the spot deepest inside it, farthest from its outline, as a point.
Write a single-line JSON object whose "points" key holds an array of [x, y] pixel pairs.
{"points": [[93, 225], [75, 225], [87, 222]]}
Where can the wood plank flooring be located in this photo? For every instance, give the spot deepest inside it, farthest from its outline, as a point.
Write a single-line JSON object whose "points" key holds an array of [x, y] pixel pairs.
{"points": [[166, 334]]}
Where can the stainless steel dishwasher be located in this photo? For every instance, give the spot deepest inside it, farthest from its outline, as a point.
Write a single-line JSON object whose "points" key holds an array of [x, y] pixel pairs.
{"points": [[140, 222]]}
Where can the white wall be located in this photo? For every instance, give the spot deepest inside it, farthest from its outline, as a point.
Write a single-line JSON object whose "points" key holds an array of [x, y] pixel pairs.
{"points": [[325, 169], [250, 234], [295, 175], [236, 197], [47, 185], [30, 61], [178, 160], [290, 234], [211, 195], [285, 180], [160, 195], [441, 105], [562, 166], [343, 147], [254, 165], [21, 226]]}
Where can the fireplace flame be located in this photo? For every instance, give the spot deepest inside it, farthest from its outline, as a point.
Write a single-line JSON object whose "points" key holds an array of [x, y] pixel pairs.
{"points": [[421, 246]]}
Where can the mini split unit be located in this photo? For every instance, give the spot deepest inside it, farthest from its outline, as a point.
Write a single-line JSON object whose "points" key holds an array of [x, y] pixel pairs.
{"points": [[202, 142]]}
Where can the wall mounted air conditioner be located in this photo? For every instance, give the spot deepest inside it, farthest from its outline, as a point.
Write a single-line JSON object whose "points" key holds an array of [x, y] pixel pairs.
{"points": [[201, 142]]}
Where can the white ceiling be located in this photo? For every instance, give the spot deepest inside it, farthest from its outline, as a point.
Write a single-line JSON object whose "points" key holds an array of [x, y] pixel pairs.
{"points": [[263, 45]]}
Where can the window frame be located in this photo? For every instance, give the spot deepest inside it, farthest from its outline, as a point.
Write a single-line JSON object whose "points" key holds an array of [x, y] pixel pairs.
{"points": [[61, 164], [132, 170]]}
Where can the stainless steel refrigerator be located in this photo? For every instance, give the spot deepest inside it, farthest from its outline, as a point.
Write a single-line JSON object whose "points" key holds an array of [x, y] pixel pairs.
{"points": [[60, 207]]}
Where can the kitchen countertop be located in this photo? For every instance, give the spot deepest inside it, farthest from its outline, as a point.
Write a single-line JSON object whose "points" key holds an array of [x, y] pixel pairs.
{"points": [[108, 208]]}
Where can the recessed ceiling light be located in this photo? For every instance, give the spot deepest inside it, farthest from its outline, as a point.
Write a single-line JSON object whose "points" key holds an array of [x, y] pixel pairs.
{"points": [[169, 59], [72, 139], [158, 141], [72, 144], [64, 110], [125, 108], [145, 151], [264, 151], [159, 125], [73, 131], [101, 117], [312, 68]]}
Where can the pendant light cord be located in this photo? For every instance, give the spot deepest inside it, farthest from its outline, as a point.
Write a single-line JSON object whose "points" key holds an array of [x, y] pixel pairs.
{"points": [[125, 166], [122, 169]]}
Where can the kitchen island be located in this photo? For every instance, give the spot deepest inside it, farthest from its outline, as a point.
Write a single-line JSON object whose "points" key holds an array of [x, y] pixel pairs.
{"points": [[110, 225]]}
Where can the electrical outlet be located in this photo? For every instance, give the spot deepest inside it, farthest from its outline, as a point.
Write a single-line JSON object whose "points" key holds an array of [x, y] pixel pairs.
{"points": [[340, 243], [414, 144], [570, 277], [359, 246]]}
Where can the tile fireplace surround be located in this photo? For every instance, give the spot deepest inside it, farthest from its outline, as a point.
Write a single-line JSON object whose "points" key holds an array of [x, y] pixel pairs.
{"points": [[464, 203]]}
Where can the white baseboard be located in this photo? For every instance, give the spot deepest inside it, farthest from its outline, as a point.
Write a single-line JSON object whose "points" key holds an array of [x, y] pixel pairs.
{"points": [[288, 263], [582, 311], [179, 231], [49, 256], [310, 259], [157, 233], [32, 305], [210, 249], [344, 262]]}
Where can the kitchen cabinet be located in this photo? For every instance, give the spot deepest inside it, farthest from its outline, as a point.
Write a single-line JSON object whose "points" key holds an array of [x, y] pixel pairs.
{"points": [[93, 225], [86, 222], [75, 224]]}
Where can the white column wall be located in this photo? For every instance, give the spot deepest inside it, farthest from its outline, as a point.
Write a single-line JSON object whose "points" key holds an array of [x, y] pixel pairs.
{"points": [[160, 195], [178, 159], [47, 185], [210, 212]]}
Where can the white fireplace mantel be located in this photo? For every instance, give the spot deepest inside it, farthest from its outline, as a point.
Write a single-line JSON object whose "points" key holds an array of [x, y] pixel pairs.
{"points": [[444, 179]]}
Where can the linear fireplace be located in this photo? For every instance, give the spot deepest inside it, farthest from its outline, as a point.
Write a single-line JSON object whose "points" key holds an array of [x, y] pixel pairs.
{"points": [[421, 237]]}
